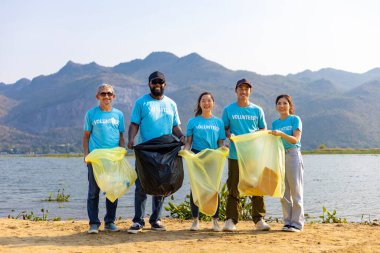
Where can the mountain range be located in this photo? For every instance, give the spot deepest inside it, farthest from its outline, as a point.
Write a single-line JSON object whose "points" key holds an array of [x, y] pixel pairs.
{"points": [[45, 114]]}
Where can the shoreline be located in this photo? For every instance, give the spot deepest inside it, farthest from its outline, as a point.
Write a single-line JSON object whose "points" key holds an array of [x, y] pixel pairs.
{"points": [[71, 236], [327, 151]]}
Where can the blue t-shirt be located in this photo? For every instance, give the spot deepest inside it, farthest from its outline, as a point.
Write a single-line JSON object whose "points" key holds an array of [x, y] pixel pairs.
{"points": [[154, 117], [288, 125], [243, 120], [105, 127], [205, 132]]}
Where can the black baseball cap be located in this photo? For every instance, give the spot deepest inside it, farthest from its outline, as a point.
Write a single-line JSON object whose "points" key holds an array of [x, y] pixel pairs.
{"points": [[156, 75], [243, 81]]}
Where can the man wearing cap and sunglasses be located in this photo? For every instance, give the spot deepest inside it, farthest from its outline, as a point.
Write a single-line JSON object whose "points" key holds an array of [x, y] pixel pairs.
{"points": [[242, 117], [153, 115], [103, 128]]}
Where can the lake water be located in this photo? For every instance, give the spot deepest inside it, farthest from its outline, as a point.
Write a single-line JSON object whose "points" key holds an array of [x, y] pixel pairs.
{"points": [[348, 183]]}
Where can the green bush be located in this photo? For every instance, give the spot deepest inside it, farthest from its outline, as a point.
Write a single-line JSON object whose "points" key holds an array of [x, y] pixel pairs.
{"points": [[61, 196], [328, 217]]}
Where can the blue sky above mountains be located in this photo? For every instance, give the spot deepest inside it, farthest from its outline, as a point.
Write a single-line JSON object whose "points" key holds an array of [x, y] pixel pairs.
{"points": [[267, 37]]}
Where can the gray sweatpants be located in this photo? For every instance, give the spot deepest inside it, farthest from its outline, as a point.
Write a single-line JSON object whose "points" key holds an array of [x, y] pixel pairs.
{"points": [[292, 202]]}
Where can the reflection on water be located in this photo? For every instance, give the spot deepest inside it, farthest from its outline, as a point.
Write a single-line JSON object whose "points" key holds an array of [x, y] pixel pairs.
{"points": [[347, 183]]}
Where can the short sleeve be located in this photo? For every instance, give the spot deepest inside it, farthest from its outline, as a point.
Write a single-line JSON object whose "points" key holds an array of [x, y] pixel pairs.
{"points": [[225, 119], [222, 132], [121, 123], [176, 120], [136, 113], [87, 122], [262, 123], [297, 123], [190, 128]]}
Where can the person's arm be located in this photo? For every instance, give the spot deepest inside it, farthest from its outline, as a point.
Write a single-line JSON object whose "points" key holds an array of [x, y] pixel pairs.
{"points": [[221, 135], [262, 124], [228, 136], [132, 132], [189, 141], [228, 132], [293, 139], [121, 140], [177, 131], [85, 140]]}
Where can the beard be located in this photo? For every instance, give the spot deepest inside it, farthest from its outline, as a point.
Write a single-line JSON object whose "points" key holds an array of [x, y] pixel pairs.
{"points": [[157, 92]]}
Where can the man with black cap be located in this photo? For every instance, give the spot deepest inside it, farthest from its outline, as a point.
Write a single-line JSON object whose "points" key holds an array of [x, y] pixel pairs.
{"points": [[153, 115], [242, 117]]}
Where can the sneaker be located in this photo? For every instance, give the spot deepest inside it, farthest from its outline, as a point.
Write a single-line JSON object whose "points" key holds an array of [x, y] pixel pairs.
{"points": [[111, 227], [285, 228], [294, 229], [158, 226], [195, 225], [215, 225], [94, 229], [261, 225], [229, 226], [135, 228]]}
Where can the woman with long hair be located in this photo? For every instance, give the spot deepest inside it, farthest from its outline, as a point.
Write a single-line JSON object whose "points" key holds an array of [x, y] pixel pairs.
{"points": [[204, 131], [289, 128]]}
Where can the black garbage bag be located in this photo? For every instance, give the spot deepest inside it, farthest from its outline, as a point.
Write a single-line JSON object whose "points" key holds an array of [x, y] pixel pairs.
{"points": [[159, 167]]}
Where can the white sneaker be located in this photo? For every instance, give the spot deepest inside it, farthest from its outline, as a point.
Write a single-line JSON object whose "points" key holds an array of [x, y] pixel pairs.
{"points": [[262, 226], [229, 226], [294, 229], [215, 225], [195, 225]]}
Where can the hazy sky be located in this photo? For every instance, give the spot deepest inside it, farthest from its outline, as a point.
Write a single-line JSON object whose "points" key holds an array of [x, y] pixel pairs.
{"points": [[267, 36]]}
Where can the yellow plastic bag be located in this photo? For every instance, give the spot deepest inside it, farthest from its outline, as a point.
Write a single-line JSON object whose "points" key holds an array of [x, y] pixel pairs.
{"points": [[113, 174], [261, 159], [205, 173]]}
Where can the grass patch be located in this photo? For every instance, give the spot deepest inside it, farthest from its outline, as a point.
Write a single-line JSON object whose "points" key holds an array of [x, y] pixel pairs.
{"points": [[24, 215], [60, 197]]}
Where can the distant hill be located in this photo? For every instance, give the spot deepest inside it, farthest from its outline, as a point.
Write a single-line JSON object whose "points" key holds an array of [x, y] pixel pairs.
{"points": [[45, 114]]}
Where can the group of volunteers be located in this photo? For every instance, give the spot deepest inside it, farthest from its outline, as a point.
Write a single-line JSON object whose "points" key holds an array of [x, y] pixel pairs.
{"points": [[154, 115]]}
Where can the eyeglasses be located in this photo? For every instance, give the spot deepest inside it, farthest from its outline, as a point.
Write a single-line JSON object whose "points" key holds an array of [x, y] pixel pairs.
{"points": [[158, 81], [103, 94]]}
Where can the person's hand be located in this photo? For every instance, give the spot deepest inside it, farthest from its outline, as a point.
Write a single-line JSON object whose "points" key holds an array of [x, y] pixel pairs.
{"points": [[183, 139], [275, 132], [130, 144], [84, 158], [224, 148]]}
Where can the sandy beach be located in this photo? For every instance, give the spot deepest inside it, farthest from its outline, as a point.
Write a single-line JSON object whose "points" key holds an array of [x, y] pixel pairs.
{"points": [[71, 236]]}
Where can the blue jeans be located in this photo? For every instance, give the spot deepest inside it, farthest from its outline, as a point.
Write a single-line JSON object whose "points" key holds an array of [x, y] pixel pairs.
{"points": [[140, 203], [93, 201]]}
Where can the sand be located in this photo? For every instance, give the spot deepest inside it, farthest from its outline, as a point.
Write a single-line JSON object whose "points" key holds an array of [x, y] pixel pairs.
{"points": [[71, 236]]}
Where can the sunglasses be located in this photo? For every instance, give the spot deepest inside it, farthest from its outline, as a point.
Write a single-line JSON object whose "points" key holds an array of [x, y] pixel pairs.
{"points": [[158, 81], [103, 94]]}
